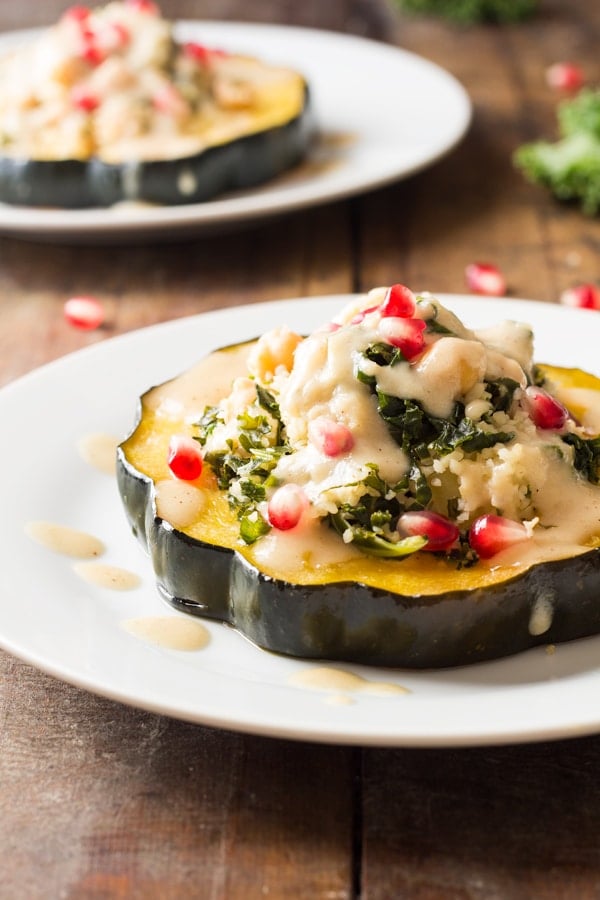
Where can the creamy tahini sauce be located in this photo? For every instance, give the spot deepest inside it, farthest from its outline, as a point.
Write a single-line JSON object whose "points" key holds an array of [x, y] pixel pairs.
{"points": [[170, 632], [323, 382], [178, 502], [67, 541], [313, 545], [99, 450], [339, 700], [203, 385], [542, 613], [329, 678], [112, 577]]}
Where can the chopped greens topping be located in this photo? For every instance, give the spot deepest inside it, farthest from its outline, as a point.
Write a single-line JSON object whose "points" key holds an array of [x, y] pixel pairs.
{"points": [[384, 354], [501, 393], [372, 523], [244, 470], [375, 544], [211, 417], [420, 434], [586, 455]]}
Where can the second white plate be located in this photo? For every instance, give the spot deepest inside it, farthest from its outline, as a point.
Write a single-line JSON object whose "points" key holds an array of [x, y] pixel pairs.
{"points": [[383, 114]]}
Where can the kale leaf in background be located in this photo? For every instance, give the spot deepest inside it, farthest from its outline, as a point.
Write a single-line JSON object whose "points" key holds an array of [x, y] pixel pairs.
{"points": [[570, 167], [471, 11]]}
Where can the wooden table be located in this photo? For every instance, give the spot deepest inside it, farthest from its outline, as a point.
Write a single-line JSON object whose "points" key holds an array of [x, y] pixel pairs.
{"points": [[98, 800]]}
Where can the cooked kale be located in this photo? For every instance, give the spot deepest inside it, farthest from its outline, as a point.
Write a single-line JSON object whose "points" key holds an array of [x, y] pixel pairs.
{"points": [[586, 455], [471, 11], [244, 470], [570, 167]]}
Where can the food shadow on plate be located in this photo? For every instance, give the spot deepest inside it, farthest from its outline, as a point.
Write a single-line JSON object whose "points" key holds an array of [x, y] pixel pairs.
{"points": [[553, 662]]}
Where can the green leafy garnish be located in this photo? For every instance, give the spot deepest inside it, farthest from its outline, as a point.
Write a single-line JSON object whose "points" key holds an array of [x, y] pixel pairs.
{"points": [[586, 455], [469, 12], [245, 469], [375, 544], [211, 417], [569, 167], [384, 354], [421, 435]]}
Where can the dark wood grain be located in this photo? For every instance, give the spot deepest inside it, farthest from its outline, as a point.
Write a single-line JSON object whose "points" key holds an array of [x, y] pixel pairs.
{"points": [[479, 824], [99, 800]]}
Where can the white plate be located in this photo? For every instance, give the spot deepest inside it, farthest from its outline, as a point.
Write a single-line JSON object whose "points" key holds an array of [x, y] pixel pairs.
{"points": [[383, 113], [52, 619]]}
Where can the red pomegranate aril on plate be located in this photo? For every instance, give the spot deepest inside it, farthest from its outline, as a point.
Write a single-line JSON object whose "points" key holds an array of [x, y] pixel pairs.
{"points": [[581, 296], [285, 508], [167, 99], [145, 6], [91, 52], [116, 36], [184, 458], [198, 52], [406, 334], [331, 438], [440, 532], [399, 302], [76, 14], [565, 76], [82, 98], [491, 534], [86, 313], [485, 278], [545, 410]]}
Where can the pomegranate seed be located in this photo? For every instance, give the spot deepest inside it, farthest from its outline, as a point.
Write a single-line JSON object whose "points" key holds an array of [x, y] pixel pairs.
{"points": [[86, 313], [82, 98], [399, 302], [565, 76], [145, 6], [76, 14], [331, 438], [91, 52], [545, 410], [184, 458], [286, 506], [406, 334], [440, 532], [582, 296], [484, 278], [167, 99], [116, 36], [198, 52], [490, 534]]}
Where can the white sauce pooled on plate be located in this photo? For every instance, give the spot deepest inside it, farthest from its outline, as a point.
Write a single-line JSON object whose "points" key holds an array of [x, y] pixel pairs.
{"points": [[62, 539], [170, 632], [112, 577], [99, 451], [329, 678]]}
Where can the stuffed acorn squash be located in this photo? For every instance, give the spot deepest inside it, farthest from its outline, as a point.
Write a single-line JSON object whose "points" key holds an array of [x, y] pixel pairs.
{"points": [[106, 107], [394, 489]]}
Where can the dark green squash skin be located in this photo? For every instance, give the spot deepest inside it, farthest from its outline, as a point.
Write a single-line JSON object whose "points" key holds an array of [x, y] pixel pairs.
{"points": [[354, 622], [76, 184]]}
